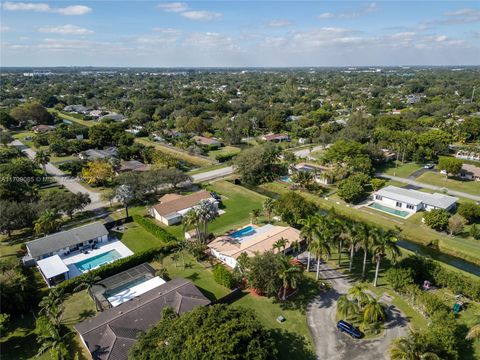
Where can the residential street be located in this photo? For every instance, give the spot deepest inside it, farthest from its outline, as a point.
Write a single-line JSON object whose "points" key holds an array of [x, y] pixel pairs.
{"points": [[70, 183], [330, 344], [431, 187], [213, 174], [305, 153]]}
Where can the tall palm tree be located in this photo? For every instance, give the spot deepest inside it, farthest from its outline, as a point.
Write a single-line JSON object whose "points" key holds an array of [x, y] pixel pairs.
{"points": [[384, 246], [254, 215], [340, 233], [352, 240], [319, 247], [308, 233], [191, 219], [42, 158], [295, 246], [346, 307], [357, 293], [411, 347], [374, 311], [289, 273], [52, 305], [51, 339], [366, 236], [206, 212], [124, 194], [87, 281], [268, 207], [47, 222], [282, 244]]}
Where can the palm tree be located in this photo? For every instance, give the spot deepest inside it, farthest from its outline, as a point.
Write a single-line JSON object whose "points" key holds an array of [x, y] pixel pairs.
{"points": [[51, 339], [319, 247], [87, 281], [175, 258], [42, 158], [411, 347], [191, 219], [124, 194], [281, 244], [47, 222], [385, 246], [254, 215], [289, 274], [346, 307], [340, 233], [474, 332], [268, 207], [357, 293], [308, 233], [352, 240], [51, 305], [374, 311], [365, 236], [206, 212], [295, 246]]}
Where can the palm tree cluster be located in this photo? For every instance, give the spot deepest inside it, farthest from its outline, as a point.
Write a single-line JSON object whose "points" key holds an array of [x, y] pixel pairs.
{"points": [[198, 217], [321, 233]]}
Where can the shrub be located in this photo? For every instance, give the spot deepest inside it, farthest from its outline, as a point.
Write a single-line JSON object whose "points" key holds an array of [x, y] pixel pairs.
{"points": [[437, 219], [456, 224], [470, 211], [225, 156], [223, 277], [399, 278], [153, 229]]}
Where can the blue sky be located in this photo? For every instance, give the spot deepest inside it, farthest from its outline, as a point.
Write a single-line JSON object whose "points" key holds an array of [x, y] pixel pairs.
{"points": [[239, 33]]}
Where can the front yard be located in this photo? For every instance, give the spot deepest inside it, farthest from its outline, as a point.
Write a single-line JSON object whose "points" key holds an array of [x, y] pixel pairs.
{"points": [[437, 179]]}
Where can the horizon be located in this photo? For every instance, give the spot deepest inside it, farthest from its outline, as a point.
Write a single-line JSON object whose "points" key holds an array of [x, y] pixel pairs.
{"points": [[239, 34]]}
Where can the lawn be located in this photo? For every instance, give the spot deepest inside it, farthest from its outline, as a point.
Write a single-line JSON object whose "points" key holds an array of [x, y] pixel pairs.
{"points": [[437, 179], [30, 134], [402, 170], [87, 123], [206, 168], [224, 150], [137, 239]]}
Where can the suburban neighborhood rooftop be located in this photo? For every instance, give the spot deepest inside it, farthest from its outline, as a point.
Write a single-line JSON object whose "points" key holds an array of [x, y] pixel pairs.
{"points": [[416, 197]]}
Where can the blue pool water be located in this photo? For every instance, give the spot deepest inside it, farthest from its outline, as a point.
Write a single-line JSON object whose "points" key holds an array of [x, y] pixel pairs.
{"points": [[389, 210], [286, 179], [246, 231], [98, 260]]}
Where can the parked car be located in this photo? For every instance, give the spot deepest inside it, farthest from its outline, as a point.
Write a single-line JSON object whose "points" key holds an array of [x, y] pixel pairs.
{"points": [[348, 328], [429, 166]]}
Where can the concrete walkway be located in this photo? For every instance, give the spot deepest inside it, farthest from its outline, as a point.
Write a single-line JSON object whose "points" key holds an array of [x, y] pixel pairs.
{"points": [[432, 187], [330, 344], [70, 183]]}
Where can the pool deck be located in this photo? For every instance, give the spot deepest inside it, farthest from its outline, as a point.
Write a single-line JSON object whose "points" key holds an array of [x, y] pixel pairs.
{"points": [[101, 248]]}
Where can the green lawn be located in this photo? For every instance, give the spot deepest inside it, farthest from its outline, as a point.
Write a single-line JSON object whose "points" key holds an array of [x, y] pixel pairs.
{"points": [[137, 239], [437, 179], [401, 170], [87, 123], [224, 150], [206, 168], [24, 134]]}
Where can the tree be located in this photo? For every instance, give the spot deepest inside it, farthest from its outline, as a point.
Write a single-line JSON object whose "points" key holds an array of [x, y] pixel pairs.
{"points": [[450, 164], [124, 194], [50, 338], [268, 207], [16, 216], [74, 202], [366, 236], [280, 244], [346, 308], [377, 184], [203, 333], [35, 112], [254, 215], [384, 246], [87, 281], [308, 232], [42, 158], [319, 247], [474, 332], [373, 312], [206, 212], [47, 222], [470, 211], [5, 138], [108, 195], [293, 207], [289, 273], [357, 293], [258, 164], [191, 219], [351, 189], [437, 219], [456, 224], [263, 273], [97, 172], [4, 321], [475, 231], [411, 347], [72, 167]]}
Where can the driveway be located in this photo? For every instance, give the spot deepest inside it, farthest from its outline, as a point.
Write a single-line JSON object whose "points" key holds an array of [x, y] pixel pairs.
{"points": [[305, 153], [70, 183], [331, 344]]}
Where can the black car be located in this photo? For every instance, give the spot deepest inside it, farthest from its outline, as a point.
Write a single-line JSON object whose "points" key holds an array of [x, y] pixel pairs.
{"points": [[348, 328]]}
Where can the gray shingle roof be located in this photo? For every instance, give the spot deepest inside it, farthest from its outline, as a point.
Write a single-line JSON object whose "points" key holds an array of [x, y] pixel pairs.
{"points": [[416, 197], [110, 334], [63, 239]]}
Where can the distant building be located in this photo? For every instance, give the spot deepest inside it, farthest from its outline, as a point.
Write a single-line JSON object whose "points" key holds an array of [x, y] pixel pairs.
{"points": [[94, 154], [77, 109], [412, 99], [132, 165], [468, 155], [319, 172], [470, 172], [204, 141], [114, 117], [276, 137], [41, 129]]}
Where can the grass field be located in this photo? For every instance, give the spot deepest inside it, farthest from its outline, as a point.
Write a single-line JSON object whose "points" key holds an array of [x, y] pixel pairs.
{"points": [[137, 238], [437, 179], [224, 150], [87, 123], [402, 170]]}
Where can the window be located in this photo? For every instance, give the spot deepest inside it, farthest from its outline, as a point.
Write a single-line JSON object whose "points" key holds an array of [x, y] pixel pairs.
{"points": [[378, 197], [411, 207], [399, 204]]}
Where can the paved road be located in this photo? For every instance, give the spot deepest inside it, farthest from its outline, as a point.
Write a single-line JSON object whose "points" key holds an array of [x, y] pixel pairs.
{"points": [[331, 344], [213, 174], [69, 182], [304, 153], [431, 187]]}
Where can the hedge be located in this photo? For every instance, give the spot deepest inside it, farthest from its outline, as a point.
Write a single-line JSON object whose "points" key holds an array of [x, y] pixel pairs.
{"points": [[223, 277], [426, 269], [153, 229], [120, 265], [225, 157]]}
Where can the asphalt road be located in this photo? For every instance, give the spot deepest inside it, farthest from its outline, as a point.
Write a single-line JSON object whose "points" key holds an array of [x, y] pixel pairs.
{"points": [[213, 174], [305, 153], [431, 187], [70, 183], [330, 344]]}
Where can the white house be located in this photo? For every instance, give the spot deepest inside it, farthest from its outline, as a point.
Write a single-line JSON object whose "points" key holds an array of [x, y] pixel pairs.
{"points": [[413, 200], [172, 207], [470, 172], [318, 171]]}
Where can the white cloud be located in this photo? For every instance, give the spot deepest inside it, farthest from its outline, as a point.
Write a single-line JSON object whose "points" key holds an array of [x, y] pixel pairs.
{"points": [[211, 40], [43, 7], [462, 16], [326, 15], [4, 28], [173, 6], [366, 9], [279, 23], [201, 15], [165, 36], [167, 31], [65, 30]]}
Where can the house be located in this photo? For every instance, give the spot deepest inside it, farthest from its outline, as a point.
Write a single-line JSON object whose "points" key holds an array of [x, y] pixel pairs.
{"points": [[172, 207], [251, 240], [135, 129], [413, 99], [132, 165], [94, 154], [77, 109], [468, 155], [114, 117], [389, 155], [320, 172], [111, 334], [42, 129], [413, 200], [470, 172], [276, 137], [204, 141]]}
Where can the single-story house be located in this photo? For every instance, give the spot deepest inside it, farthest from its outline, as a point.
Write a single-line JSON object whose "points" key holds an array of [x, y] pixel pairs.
{"points": [[78, 109], [318, 170], [470, 172], [276, 137], [94, 154], [172, 207], [204, 141], [413, 200], [132, 165], [468, 155], [251, 240], [41, 129], [114, 117], [111, 334]]}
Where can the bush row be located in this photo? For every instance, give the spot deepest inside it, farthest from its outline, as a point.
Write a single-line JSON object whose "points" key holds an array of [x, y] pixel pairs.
{"points": [[120, 265], [426, 269], [223, 277], [225, 157], [153, 229]]}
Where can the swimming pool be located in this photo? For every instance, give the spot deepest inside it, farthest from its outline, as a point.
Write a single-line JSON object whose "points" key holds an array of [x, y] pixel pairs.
{"points": [[389, 210], [98, 260], [246, 231], [286, 179]]}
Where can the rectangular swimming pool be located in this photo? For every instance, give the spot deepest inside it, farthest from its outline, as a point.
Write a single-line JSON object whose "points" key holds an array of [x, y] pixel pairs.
{"points": [[286, 179], [389, 210], [98, 260], [246, 231]]}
